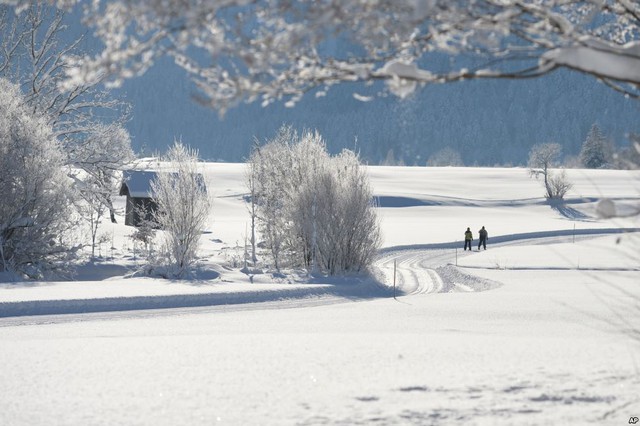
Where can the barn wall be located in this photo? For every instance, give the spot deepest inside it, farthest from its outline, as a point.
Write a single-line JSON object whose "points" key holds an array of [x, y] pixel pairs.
{"points": [[138, 210]]}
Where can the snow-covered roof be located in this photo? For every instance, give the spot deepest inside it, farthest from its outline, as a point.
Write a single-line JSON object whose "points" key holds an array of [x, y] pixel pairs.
{"points": [[137, 183]]}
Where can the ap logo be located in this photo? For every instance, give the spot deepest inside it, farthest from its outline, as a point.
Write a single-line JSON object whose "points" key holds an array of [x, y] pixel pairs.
{"points": [[633, 420]]}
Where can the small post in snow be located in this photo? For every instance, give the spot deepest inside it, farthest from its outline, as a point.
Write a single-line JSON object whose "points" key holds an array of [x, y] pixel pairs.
{"points": [[456, 254]]}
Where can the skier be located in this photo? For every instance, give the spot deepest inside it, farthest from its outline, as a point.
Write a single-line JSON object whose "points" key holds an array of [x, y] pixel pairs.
{"points": [[483, 238], [468, 237]]}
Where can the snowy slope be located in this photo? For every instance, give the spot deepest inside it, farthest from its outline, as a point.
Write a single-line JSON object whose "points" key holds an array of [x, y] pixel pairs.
{"points": [[418, 207], [539, 329]]}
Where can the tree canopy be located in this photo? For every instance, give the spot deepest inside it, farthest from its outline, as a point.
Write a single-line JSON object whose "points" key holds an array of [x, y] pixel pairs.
{"points": [[596, 150], [269, 50]]}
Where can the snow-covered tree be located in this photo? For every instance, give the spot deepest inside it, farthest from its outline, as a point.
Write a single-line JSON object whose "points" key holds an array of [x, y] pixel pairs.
{"points": [[346, 224], [596, 152], [100, 156], [270, 165], [314, 211], [309, 160], [542, 158], [183, 209], [558, 185], [36, 52], [267, 50], [629, 157], [390, 159], [251, 181], [92, 210], [286, 167], [36, 221], [445, 157]]}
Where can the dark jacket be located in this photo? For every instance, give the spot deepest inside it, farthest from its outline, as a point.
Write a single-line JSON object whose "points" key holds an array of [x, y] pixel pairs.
{"points": [[483, 234]]}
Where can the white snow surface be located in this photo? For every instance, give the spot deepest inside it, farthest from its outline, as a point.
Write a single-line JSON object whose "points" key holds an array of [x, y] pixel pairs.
{"points": [[541, 328]]}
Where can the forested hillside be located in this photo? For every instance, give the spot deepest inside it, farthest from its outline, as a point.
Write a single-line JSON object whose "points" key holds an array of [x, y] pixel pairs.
{"points": [[488, 122]]}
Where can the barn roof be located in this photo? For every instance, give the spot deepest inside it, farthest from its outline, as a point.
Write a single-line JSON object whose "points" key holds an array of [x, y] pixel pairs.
{"points": [[137, 183]]}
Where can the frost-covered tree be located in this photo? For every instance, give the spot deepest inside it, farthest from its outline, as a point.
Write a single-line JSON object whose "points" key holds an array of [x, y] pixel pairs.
{"points": [[251, 181], [36, 52], [270, 165], [183, 209], [558, 185], [97, 160], [92, 210], [542, 158], [314, 211], [629, 157], [309, 160], [596, 152], [347, 228], [390, 159], [445, 157], [267, 50], [36, 221], [286, 167]]}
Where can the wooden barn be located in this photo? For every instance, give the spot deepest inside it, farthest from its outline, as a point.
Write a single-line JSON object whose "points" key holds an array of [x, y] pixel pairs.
{"points": [[136, 185]]}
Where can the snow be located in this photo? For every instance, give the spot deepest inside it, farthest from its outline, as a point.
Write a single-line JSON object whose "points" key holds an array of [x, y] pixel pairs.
{"points": [[438, 203], [541, 328], [600, 58], [600, 254]]}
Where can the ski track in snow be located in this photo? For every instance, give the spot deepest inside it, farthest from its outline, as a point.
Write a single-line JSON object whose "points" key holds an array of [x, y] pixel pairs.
{"points": [[431, 268], [428, 271], [420, 270]]}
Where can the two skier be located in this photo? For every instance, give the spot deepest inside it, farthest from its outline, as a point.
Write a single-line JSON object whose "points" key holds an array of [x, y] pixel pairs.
{"points": [[468, 237]]}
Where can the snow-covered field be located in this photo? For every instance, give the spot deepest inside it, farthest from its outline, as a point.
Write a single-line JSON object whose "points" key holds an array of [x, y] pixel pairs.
{"points": [[541, 328]]}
